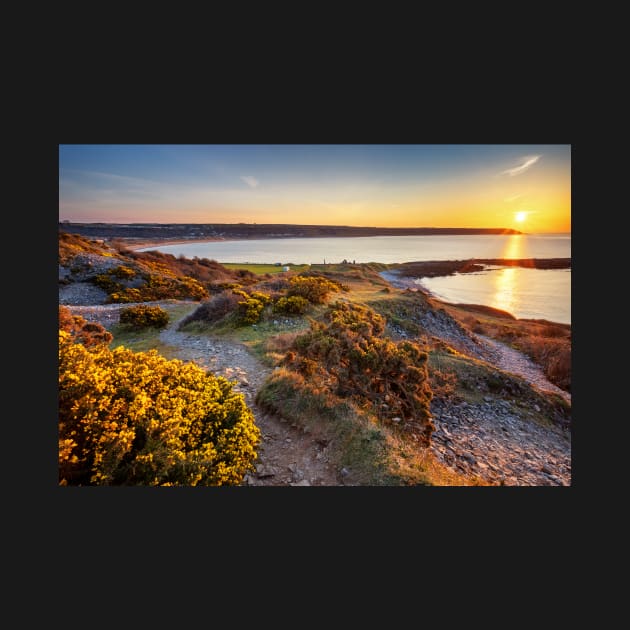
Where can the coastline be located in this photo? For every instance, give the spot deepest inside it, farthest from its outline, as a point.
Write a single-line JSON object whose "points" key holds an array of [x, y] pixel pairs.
{"points": [[406, 276], [405, 282], [140, 244]]}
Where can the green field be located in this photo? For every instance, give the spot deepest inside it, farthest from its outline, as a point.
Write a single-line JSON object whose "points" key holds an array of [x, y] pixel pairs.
{"points": [[262, 268]]}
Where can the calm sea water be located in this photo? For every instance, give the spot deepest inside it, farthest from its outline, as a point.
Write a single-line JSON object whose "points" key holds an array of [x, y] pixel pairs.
{"points": [[384, 249], [526, 293]]}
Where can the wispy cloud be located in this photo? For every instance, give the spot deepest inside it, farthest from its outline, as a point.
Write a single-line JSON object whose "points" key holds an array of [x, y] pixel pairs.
{"points": [[252, 182], [528, 160], [512, 198]]}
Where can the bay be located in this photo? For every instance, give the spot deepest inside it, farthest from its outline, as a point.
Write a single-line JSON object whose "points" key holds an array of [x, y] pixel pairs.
{"points": [[384, 249], [526, 293]]}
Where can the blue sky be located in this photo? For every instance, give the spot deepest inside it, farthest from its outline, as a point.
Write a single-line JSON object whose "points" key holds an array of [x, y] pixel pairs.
{"points": [[395, 185]]}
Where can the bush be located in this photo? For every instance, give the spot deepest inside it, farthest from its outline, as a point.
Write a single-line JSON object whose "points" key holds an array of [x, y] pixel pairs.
{"points": [[128, 418], [293, 305], [82, 331], [251, 306], [214, 309], [553, 354], [443, 384], [315, 289], [348, 355], [138, 317], [124, 273], [153, 287], [250, 310]]}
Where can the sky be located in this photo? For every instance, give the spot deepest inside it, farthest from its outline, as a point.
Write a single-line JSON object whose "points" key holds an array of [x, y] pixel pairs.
{"points": [[525, 187]]}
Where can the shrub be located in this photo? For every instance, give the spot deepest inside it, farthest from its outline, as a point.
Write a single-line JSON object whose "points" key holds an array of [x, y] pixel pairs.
{"points": [[251, 306], [553, 354], [106, 282], [315, 289], [293, 305], [124, 273], [218, 287], [214, 309], [82, 331], [128, 418], [443, 384], [250, 310], [348, 355], [153, 287], [139, 317]]}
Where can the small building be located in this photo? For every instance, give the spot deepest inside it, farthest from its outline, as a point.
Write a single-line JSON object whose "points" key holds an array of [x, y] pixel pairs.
{"points": [[286, 268]]}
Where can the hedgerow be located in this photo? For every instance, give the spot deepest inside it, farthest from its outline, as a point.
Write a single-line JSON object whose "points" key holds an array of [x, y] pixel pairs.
{"points": [[134, 418]]}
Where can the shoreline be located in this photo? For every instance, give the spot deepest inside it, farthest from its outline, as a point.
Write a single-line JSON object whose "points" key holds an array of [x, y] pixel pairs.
{"points": [[398, 275], [139, 244]]}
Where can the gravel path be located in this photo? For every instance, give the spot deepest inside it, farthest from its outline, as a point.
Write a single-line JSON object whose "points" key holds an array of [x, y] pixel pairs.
{"points": [[511, 360], [287, 456]]}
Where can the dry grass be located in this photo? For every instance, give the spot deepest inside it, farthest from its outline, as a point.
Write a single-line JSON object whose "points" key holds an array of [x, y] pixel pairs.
{"points": [[375, 454], [547, 343]]}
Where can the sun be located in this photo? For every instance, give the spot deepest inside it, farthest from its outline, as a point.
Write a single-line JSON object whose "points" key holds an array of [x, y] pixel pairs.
{"points": [[520, 216]]}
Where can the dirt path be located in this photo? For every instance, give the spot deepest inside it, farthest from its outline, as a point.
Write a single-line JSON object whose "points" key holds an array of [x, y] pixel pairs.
{"points": [[286, 456]]}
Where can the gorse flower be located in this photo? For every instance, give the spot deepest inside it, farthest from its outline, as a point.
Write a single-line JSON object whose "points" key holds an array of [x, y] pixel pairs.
{"points": [[135, 418]]}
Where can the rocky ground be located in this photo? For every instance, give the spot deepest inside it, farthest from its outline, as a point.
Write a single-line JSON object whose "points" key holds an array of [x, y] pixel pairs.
{"points": [[496, 442], [496, 439]]}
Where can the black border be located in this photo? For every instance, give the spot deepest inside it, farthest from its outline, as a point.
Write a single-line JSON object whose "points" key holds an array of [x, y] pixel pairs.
{"points": [[374, 113]]}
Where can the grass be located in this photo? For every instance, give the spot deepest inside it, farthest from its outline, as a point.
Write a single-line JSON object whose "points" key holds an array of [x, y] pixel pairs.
{"points": [[476, 379], [149, 338], [258, 337], [261, 269], [373, 453], [547, 343]]}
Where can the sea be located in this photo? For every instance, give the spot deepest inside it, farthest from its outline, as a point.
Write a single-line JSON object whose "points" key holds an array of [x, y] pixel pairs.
{"points": [[525, 293]]}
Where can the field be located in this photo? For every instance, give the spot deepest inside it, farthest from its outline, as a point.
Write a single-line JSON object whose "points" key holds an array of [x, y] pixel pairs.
{"points": [[261, 269]]}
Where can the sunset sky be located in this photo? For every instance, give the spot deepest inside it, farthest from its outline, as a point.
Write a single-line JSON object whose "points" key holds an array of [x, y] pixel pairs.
{"points": [[527, 187]]}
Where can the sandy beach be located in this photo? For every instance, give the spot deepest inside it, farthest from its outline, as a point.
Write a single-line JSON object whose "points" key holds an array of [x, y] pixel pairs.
{"points": [[135, 244]]}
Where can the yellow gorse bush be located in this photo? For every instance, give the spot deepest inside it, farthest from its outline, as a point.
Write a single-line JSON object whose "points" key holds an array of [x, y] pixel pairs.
{"points": [[315, 289], [136, 418]]}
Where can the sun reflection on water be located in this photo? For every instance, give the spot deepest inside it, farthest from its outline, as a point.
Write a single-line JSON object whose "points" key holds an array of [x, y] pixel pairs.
{"points": [[504, 297], [505, 293], [513, 247]]}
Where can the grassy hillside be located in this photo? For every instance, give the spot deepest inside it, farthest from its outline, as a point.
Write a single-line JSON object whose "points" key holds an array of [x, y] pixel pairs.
{"points": [[378, 451], [356, 361]]}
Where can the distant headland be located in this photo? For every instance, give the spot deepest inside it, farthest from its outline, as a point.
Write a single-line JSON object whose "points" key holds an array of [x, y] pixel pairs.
{"points": [[232, 231]]}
